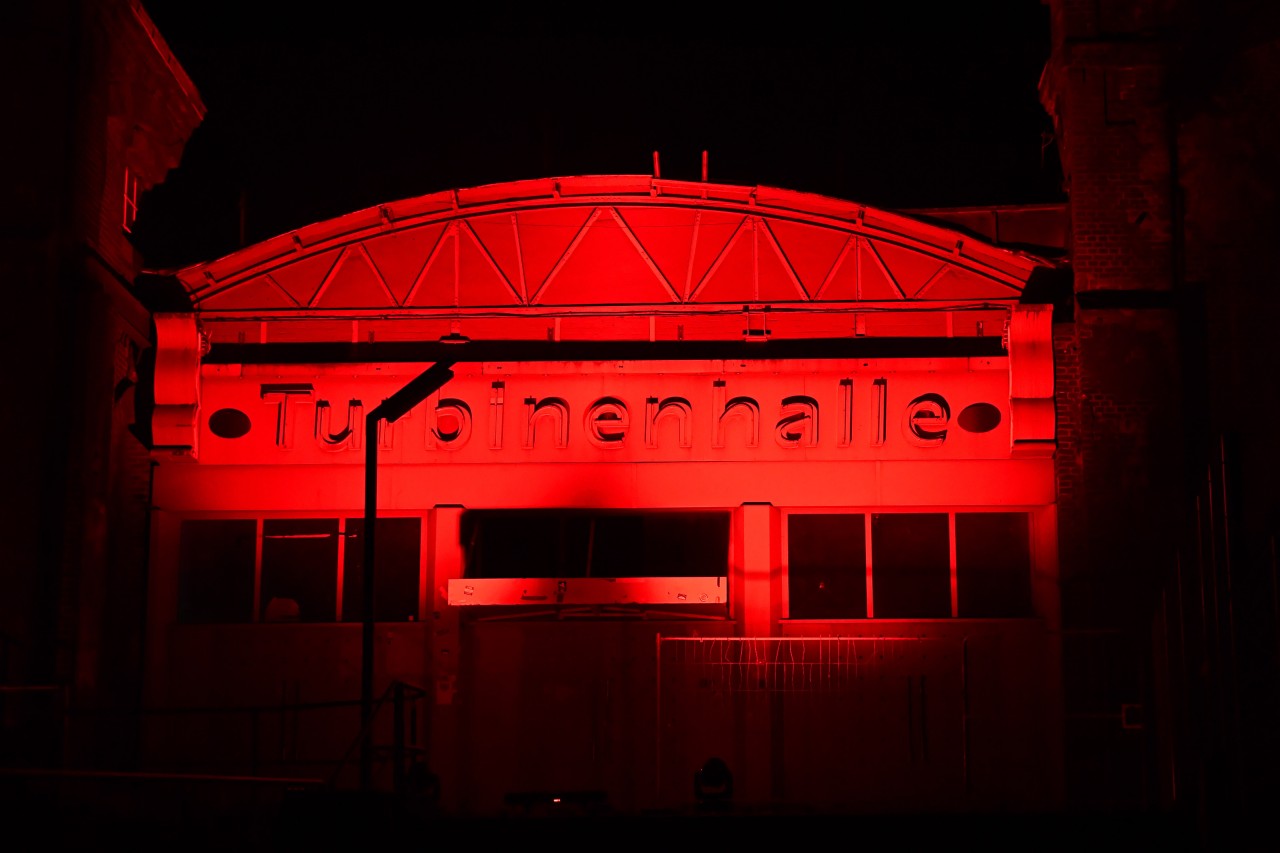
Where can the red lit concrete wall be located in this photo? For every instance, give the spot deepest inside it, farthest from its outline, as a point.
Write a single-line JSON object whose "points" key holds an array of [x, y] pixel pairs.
{"points": [[947, 408], [949, 714]]}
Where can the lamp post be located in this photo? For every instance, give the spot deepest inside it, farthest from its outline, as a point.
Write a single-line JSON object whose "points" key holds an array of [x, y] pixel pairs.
{"points": [[390, 410]]}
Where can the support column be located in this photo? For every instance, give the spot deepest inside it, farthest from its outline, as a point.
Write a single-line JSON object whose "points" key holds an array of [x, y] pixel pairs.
{"points": [[755, 593], [444, 562], [755, 584]]}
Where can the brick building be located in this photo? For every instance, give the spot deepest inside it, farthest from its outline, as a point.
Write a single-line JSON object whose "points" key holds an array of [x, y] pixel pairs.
{"points": [[1164, 482], [99, 111]]}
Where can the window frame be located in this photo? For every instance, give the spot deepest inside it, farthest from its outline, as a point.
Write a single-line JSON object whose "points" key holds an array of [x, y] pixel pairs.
{"points": [[867, 513], [129, 210], [339, 570], [680, 592]]}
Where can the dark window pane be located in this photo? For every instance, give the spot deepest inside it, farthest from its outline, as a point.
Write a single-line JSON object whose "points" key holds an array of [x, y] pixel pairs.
{"points": [[910, 566], [397, 547], [827, 566], [215, 574], [993, 564], [617, 547], [299, 569], [589, 543], [523, 544], [659, 544]]}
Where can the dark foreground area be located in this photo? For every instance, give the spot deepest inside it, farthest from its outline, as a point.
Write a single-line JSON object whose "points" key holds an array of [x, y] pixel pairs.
{"points": [[187, 815]]}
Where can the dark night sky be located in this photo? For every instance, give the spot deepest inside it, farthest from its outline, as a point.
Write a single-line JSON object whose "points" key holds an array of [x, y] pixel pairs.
{"points": [[316, 110]]}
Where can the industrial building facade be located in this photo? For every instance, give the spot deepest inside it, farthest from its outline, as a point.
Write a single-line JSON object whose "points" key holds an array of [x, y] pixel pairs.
{"points": [[719, 472], [886, 512]]}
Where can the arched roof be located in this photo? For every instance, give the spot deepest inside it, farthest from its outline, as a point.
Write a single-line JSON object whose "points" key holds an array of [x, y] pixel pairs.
{"points": [[613, 240]]}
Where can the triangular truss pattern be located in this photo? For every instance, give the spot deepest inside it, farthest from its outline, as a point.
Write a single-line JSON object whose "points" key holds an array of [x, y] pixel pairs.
{"points": [[486, 283], [736, 258], [437, 276], [353, 282], [841, 279], [813, 253], [400, 256], [545, 237], [873, 267], [260, 292], [956, 283], [302, 278], [605, 263], [499, 234], [784, 276], [910, 270], [505, 246], [460, 271], [668, 237], [714, 233], [751, 267]]}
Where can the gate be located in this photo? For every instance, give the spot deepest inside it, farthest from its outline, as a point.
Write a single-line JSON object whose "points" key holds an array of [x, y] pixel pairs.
{"points": [[822, 724]]}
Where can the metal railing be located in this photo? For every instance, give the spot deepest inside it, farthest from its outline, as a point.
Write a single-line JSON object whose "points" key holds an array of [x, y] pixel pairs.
{"points": [[404, 752], [250, 751]]}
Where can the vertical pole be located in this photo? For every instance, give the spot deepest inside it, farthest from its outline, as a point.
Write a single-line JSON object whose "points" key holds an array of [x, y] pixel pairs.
{"points": [[657, 720], [390, 410], [397, 739], [366, 635]]}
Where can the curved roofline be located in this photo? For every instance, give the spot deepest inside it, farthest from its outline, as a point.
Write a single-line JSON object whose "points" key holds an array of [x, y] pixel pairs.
{"points": [[1010, 266]]}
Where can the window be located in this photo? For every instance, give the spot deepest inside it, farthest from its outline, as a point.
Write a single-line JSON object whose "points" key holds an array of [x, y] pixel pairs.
{"points": [[910, 565], [297, 569], [130, 211], [1119, 94], [395, 596], [827, 574], [594, 543], [921, 566], [993, 564], [216, 580]]}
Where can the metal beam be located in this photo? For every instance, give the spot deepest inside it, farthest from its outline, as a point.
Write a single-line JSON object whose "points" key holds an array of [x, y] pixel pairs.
{"points": [[511, 351]]}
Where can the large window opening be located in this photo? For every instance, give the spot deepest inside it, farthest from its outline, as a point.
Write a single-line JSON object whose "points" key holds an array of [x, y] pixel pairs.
{"points": [[907, 565], [571, 543], [295, 570]]}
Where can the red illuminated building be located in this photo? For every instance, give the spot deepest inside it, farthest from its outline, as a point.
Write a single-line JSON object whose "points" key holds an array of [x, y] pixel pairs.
{"points": [[717, 466], [948, 512]]}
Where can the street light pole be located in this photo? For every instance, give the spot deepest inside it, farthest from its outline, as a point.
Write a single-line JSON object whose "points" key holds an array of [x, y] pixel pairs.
{"points": [[391, 410]]}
